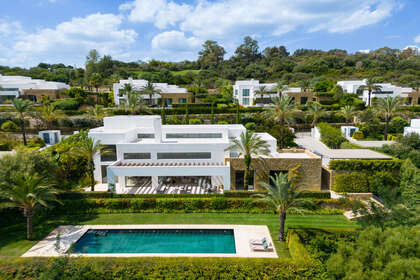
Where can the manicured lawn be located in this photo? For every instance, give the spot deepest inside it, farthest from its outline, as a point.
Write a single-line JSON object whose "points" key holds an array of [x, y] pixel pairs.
{"points": [[13, 242]]}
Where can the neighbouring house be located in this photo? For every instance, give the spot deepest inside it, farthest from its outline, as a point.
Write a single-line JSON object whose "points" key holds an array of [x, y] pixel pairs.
{"points": [[413, 128], [246, 93], [33, 89], [166, 94], [387, 89], [50, 137], [144, 156]]}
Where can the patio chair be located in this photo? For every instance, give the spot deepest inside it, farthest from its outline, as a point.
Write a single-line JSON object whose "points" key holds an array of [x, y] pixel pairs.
{"points": [[258, 241], [262, 248]]}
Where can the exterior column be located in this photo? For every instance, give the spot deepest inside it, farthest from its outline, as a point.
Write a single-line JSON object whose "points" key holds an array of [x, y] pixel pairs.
{"points": [[226, 180], [155, 181]]}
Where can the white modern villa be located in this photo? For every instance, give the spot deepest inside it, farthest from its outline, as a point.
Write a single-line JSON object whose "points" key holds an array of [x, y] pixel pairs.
{"points": [[19, 86], [387, 89], [145, 156], [246, 92], [169, 94], [413, 128]]}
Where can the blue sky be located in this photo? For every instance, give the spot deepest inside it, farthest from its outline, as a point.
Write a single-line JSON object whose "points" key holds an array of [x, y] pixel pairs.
{"points": [[53, 31]]}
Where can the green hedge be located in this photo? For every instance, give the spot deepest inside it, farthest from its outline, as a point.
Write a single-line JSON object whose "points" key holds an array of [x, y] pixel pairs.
{"points": [[183, 205], [296, 248], [366, 165], [331, 136], [354, 182], [159, 268], [67, 104]]}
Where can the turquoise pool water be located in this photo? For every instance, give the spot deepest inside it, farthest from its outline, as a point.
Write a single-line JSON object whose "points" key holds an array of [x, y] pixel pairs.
{"points": [[194, 241]]}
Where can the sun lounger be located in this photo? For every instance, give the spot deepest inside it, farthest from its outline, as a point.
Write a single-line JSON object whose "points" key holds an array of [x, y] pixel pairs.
{"points": [[262, 248], [258, 241]]}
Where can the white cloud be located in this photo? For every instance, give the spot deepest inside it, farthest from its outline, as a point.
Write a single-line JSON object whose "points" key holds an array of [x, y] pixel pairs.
{"points": [[175, 41], [364, 51], [161, 12], [417, 39], [72, 40]]}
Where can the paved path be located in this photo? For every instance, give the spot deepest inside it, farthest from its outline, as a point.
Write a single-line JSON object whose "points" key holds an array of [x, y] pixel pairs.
{"points": [[369, 144]]}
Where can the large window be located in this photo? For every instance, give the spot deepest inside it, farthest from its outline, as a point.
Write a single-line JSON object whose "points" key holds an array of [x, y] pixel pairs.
{"points": [[303, 100], [145, 135], [193, 135], [197, 155], [182, 100], [245, 92], [239, 179], [245, 101], [104, 174], [137, 156], [168, 102], [109, 153]]}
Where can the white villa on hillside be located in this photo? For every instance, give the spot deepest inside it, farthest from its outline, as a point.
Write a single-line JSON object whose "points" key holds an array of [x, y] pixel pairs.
{"points": [[387, 89], [148, 157], [170, 94], [19, 86], [245, 92]]}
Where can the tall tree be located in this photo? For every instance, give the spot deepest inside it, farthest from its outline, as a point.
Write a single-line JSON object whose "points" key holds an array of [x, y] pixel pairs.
{"points": [[27, 192], [347, 112], [49, 113], [97, 113], [211, 56], [248, 51], [370, 87], [315, 110], [96, 81], [281, 87], [22, 107], [283, 113], [282, 195], [249, 145], [136, 101], [305, 85], [387, 107]]}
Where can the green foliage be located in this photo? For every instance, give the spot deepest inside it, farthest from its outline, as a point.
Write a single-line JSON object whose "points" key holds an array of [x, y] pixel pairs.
{"points": [[407, 147], [365, 165], [9, 126], [36, 142], [349, 145], [159, 268], [250, 126], [195, 121], [410, 184], [67, 104], [376, 254], [331, 136], [397, 125], [296, 248], [354, 182], [358, 135]]}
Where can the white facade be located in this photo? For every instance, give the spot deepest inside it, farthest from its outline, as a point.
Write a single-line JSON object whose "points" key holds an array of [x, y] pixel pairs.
{"points": [[245, 92], [50, 137], [144, 147], [413, 128], [139, 85], [387, 89], [15, 86]]}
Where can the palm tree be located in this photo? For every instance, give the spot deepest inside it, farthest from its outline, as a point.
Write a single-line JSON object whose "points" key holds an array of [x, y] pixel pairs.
{"points": [[370, 87], [49, 113], [283, 113], [22, 107], [282, 195], [197, 87], [96, 80], [249, 145], [387, 107], [136, 101], [316, 111], [127, 90], [150, 89], [347, 112], [27, 192], [280, 87], [262, 91], [89, 149], [305, 85], [97, 113]]}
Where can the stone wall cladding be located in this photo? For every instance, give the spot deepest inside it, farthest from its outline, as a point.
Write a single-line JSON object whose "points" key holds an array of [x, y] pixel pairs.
{"points": [[176, 96], [310, 170]]}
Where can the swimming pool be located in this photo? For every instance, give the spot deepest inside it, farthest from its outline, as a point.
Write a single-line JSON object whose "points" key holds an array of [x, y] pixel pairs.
{"points": [[192, 241]]}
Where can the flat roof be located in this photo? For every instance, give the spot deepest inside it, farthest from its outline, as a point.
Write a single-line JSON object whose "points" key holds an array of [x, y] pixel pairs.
{"points": [[355, 154]]}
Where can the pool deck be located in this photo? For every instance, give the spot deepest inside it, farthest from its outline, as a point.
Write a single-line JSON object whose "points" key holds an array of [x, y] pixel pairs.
{"points": [[49, 247]]}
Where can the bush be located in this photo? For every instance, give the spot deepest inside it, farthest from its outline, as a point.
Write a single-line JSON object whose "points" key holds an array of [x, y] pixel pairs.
{"points": [[195, 121], [358, 135], [296, 249], [36, 142], [67, 104], [365, 165], [397, 125], [159, 268], [354, 182], [331, 136], [250, 126], [6, 146], [9, 126], [222, 122]]}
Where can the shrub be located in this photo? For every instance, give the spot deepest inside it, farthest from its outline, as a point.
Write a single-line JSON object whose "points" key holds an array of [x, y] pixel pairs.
{"points": [[222, 122], [366, 165], [354, 182], [6, 146], [67, 104], [296, 249], [331, 136], [36, 142], [358, 135], [250, 126], [397, 125], [9, 126], [159, 268], [195, 121]]}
